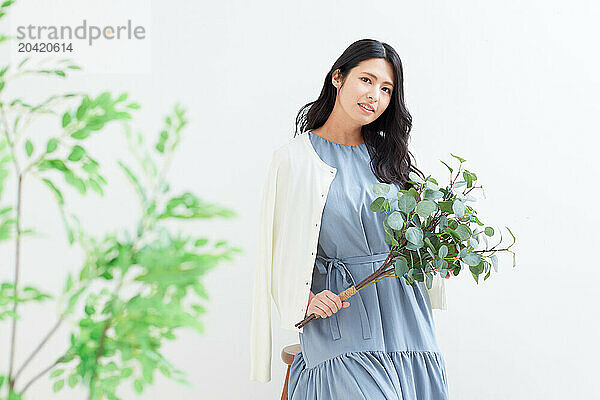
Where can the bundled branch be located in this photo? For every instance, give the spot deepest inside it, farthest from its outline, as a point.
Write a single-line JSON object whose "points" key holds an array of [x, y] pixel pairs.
{"points": [[432, 231]]}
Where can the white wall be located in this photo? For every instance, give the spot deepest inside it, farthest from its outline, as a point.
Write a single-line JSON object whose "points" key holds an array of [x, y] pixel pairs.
{"points": [[511, 86]]}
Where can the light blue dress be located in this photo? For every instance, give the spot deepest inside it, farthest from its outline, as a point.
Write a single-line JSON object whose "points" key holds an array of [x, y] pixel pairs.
{"points": [[382, 347]]}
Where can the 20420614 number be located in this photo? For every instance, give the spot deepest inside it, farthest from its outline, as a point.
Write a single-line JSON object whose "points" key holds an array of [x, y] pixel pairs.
{"points": [[45, 47]]}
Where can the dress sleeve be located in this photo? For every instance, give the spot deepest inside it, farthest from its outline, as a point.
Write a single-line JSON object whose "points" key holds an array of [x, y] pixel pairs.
{"points": [[260, 330]]}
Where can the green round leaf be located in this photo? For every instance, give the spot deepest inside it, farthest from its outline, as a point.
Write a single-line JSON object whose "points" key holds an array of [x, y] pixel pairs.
{"points": [[81, 134], [389, 239], [200, 242], [432, 194], [66, 119], [463, 232], [414, 177], [494, 259], [58, 385], [473, 242], [378, 205], [414, 235], [75, 181], [395, 220], [458, 207], [401, 267], [406, 203], [430, 185], [443, 251], [57, 372], [138, 385], [81, 110], [73, 380], [76, 153], [472, 259], [29, 148], [425, 208], [95, 186], [381, 188], [51, 145], [56, 164], [90, 166]]}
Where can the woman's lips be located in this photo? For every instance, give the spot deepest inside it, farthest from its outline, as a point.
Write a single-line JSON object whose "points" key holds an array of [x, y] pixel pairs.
{"points": [[365, 109]]}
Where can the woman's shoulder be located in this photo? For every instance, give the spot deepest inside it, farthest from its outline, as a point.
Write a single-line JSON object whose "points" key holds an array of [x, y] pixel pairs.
{"points": [[292, 149]]}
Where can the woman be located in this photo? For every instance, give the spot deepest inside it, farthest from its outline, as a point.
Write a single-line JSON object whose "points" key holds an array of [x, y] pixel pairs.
{"points": [[380, 343]]}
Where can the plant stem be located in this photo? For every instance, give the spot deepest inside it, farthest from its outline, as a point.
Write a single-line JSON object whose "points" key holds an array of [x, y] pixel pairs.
{"points": [[389, 275], [13, 333], [58, 361], [38, 348]]}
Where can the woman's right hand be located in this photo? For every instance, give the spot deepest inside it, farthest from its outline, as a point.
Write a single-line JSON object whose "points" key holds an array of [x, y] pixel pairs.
{"points": [[325, 303]]}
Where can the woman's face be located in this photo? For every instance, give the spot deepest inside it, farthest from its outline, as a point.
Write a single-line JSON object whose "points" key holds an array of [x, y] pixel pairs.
{"points": [[371, 84]]}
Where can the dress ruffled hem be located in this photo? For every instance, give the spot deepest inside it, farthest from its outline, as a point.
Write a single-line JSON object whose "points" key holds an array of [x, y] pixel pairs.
{"points": [[414, 375]]}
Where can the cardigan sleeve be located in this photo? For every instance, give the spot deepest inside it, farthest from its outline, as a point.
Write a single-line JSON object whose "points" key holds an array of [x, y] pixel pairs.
{"points": [[260, 329], [437, 293]]}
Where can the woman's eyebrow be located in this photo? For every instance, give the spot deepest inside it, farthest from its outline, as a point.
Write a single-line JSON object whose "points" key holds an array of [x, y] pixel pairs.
{"points": [[368, 73]]}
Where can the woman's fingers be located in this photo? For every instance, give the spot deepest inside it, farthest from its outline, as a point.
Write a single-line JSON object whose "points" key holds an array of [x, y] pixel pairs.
{"points": [[335, 298], [327, 306], [318, 308], [322, 310], [326, 303]]}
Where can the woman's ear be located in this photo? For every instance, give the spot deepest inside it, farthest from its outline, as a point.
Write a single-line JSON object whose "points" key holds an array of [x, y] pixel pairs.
{"points": [[336, 78]]}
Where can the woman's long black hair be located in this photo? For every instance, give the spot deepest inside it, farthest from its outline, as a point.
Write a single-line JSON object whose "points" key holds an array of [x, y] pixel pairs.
{"points": [[386, 137]]}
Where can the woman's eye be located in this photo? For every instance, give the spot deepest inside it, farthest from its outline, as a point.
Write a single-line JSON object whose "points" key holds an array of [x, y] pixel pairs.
{"points": [[367, 79]]}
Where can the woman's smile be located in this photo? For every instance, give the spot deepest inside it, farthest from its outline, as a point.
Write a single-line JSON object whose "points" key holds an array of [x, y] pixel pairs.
{"points": [[365, 110]]}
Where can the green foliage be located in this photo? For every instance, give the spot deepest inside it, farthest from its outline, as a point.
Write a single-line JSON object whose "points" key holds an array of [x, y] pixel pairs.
{"points": [[135, 289], [157, 275], [434, 230], [8, 297], [134, 327]]}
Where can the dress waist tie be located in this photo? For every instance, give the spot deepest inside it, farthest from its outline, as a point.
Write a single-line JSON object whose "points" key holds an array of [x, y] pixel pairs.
{"points": [[344, 280]]}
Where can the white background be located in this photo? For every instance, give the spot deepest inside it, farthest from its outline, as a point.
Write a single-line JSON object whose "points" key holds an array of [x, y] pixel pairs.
{"points": [[511, 86]]}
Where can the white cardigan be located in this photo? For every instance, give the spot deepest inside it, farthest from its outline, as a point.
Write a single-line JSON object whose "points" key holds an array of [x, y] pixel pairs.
{"points": [[293, 197]]}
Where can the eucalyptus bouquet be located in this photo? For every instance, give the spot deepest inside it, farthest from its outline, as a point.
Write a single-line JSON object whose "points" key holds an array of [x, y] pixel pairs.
{"points": [[433, 230]]}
